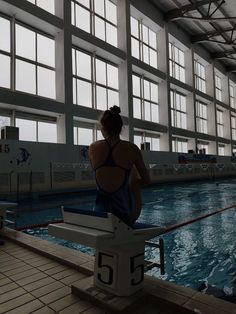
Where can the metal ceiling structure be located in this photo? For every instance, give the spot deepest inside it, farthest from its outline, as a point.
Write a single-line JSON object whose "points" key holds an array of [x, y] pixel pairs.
{"points": [[211, 23]]}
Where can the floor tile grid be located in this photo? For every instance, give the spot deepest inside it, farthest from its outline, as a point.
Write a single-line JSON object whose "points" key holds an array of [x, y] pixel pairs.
{"points": [[54, 271]]}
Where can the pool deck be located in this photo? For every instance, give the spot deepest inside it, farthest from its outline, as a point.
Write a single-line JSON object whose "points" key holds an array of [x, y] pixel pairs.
{"points": [[36, 277]]}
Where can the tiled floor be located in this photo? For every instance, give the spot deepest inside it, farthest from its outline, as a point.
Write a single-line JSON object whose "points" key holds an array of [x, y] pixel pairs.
{"points": [[32, 282]]}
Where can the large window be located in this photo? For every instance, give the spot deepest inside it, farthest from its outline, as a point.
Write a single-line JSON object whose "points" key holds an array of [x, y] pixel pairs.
{"points": [[143, 42], [48, 5], [203, 146], [232, 95], [4, 121], [176, 63], [5, 50], [35, 62], [200, 76], [233, 127], [95, 81], [219, 121], [85, 134], [218, 87], [201, 110], [33, 66], [178, 110], [221, 149], [179, 145], [145, 99], [146, 140], [37, 130], [98, 17]]}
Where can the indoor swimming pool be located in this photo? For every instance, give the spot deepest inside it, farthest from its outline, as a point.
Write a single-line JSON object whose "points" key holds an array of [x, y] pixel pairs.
{"points": [[197, 254]]}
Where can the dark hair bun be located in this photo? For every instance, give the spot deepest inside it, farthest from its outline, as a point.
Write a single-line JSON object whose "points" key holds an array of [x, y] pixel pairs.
{"points": [[115, 109]]}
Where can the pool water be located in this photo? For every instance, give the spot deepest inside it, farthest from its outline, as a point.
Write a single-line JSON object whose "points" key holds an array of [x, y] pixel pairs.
{"points": [[203, 252]]}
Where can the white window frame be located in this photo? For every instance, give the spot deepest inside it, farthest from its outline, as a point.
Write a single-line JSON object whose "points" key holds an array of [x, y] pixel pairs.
{"points": [[200, 76], [218, 87], [144, 45], [177, 68], [201, 117], [178, 115], [92, 81], [145, 101], [93, 15], [220, 122], [179, 145]]}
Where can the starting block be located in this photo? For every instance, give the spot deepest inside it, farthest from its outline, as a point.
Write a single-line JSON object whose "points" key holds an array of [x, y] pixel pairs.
{"points": [[4, 209], [119, 260]]}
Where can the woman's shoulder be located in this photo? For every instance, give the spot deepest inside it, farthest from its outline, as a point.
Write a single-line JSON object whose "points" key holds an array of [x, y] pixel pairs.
{"points": [[130, 145]]}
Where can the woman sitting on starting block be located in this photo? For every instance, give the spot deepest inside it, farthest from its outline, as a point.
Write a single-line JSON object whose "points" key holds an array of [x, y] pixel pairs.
{"points": [[119, 170]]}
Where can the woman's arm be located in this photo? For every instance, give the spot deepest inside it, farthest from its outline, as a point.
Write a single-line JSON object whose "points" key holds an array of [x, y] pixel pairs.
{"points": [[143, 174]]}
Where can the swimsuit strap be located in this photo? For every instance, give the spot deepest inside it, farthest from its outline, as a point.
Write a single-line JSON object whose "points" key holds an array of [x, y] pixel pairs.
{"points": [[109, 161]]}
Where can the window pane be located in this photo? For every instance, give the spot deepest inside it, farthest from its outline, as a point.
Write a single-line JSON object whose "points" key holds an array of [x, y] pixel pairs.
{"points": [[147, 111], [156, 144], [112, 76], [4, 121], [47, 5], [85, 136], [100, 72], [75, 135], [134, 27], [46, 83], [111, 12], [86, 3], [4, 34], [25, 42], [47, 132], [111, 34], [99, 135], [101, 98], [153, 58], [113, 98], [136, 85], [137, 108], [74, 92], [155, 113], [154, 92], [99, 7], [4, 71], [46, 50], [25, 77], [145, 54], [152, 39], [83, 65], [27, 129], [99, 28], [135, 48], [138, 140], [181, 57], [145, 34], [82, 18], [146, 90], [84, 93]]}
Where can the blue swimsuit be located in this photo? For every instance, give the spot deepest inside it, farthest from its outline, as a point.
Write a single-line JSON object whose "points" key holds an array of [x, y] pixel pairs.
{"points": [[119, 202]]}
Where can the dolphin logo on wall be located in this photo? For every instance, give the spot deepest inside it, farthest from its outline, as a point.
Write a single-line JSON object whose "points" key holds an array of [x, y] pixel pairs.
{"points": [[23, 157]]}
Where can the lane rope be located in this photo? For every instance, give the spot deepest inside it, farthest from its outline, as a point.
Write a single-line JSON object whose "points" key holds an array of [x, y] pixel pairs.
{"points": [[197, 218]]}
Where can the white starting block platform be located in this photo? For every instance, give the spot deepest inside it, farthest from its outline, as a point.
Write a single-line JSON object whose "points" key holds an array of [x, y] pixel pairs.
{"points": [[4, 208], [119, 262]]}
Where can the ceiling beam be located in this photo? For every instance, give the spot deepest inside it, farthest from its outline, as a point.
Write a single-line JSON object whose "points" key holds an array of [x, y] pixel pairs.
{"points": [[206, 19], [207, 35], [223, 54], [231, 69], [178, 13]]}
